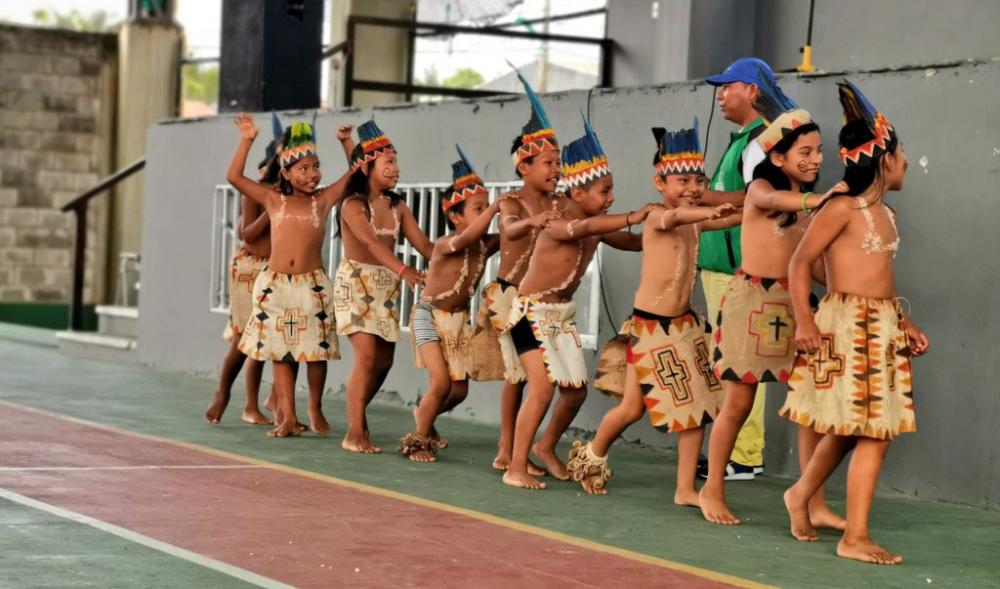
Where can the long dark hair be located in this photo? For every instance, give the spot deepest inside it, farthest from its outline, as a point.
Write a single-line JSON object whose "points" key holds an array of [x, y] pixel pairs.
{"points": [[358, 187], [860, 178], [766, 170]]}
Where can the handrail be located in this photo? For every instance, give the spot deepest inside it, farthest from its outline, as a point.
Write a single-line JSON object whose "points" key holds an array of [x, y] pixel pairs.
{"points": [[105, 184], [79, 206]]}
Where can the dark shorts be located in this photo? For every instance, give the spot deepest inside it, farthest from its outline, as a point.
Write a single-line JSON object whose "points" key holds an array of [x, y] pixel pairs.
{"points": [[523, 337]]}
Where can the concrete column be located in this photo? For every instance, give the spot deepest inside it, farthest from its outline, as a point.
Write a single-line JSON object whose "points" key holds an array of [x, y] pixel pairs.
{"points": [[148, 61]]}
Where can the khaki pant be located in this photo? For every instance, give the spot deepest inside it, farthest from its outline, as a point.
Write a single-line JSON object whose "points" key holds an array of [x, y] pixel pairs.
{"points": [[749, 449]]}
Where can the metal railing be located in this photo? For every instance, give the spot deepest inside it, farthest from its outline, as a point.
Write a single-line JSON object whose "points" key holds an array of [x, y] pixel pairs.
{"points": [[79, 206], [422, 198]]}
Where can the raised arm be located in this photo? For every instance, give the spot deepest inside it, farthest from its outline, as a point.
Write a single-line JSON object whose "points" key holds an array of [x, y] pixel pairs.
{"points": [[352, 213], [667, 219], [260, 193], [253, 230], [513, 226], [827, 225], [346, 141], [417, 238], [476, 229], [764, 196], [331, 196]]}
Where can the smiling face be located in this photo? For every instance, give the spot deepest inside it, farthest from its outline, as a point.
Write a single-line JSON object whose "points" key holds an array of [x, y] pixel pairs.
{"points": [[596, 197], [681, 189], [303, 175], [802, 161], [384, 171], [471, 208], [542, 172]]}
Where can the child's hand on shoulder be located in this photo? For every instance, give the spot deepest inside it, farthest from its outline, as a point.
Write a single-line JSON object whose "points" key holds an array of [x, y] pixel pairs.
{"points": [[344, 132], [543, 219], [248, 130], [838, 188], [645, 211]]}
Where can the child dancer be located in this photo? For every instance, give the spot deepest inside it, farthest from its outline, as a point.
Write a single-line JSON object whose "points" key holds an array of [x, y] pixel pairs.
{"points": [[544, 332], [535, 154], [371, 219], [755, 327], [859, 396], [254, 230], [440, 327], [292, 298], [668, 368]]}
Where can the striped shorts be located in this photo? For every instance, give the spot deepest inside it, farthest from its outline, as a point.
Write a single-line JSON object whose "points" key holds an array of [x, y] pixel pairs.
{"points": [[423, 324]]}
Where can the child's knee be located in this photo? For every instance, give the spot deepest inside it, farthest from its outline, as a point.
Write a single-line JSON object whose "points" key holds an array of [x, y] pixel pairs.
{"points": [[632, 412], [574, 396], [459, 391]]}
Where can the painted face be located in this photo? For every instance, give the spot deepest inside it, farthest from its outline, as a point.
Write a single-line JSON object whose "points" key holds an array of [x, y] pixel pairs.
{"points": [[894, 167], [681, 189], [736, 100], [385, 171], [801, 163], [304, 175], [595, 198], [474, 206], [543, 172]]}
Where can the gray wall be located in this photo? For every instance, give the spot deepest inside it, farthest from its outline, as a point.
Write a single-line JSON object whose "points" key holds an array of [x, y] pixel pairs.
{"points": [[947, 266], [692, 39]]}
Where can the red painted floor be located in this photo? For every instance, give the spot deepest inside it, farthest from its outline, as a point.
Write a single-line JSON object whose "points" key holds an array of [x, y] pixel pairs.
{"points": [[293, 528]]}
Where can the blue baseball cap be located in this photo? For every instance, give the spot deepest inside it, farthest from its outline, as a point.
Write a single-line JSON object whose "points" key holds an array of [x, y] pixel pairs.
{"points": [[744, 69]]}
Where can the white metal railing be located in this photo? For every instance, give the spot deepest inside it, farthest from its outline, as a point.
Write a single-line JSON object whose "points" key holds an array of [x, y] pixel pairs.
{"points": [[422, 198]]}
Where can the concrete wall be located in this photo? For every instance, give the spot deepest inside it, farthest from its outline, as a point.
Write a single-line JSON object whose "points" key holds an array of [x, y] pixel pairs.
{"points": [[947, 267], [57, 100], [692, 39]]}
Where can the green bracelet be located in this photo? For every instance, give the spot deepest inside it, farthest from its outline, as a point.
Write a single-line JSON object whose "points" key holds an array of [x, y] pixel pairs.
{"points": [[805, 195]]}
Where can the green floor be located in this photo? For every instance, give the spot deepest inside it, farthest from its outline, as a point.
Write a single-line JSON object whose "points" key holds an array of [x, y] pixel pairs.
{"points": [[945, 545]]}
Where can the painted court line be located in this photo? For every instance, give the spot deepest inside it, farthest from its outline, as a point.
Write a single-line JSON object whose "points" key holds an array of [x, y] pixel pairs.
{"points": [[132, 467], [169, 549], [510, 524]]}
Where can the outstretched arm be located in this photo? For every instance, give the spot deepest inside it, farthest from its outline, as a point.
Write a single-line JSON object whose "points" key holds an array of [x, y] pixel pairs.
{"points": [[827, 225], [624, 240], [563, 230], [714, 198], [732, 220], [260, 193], [414, 234], [352, 213], [764, 196], [667, 219], [475, 230], [513, 226]]}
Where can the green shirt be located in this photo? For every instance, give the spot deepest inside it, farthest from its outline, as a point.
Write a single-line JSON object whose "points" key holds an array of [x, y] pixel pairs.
{"points": [[719, 250]]}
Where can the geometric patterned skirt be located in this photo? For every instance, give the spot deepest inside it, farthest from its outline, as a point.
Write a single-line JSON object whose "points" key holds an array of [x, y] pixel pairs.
{"points": [[242, 274], [859, 382]]}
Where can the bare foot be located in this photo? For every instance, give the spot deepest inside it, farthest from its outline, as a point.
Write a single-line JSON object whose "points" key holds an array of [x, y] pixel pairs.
{"points": [[287, 430], [535, 470], [798, 514], [318, 423], [591, 489], [522, 481], [217, 408], [824, 517], [422, 456], [551, 462], [866, 551], [359, 445], [688, 497], [714, 509], [502, 461], [253, 416]]}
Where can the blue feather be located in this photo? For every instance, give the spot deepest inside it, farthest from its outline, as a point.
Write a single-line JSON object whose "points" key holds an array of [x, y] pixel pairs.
{"points": [[537, 110]]}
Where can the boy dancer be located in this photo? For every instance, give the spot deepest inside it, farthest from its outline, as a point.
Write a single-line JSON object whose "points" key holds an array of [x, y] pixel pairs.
{"points": [[535, 154], [544, 332], [859, 396], [668, 368], [440, 327], [254, 231], [755, 327]]}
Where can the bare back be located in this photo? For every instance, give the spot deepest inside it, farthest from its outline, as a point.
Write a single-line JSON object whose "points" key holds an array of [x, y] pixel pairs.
{"points": [[860, 260], [668, 269], [250, 212]]}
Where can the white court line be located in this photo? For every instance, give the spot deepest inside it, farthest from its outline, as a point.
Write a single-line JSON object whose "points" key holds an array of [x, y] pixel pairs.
{"points": [[169, 549], [134, 467]]}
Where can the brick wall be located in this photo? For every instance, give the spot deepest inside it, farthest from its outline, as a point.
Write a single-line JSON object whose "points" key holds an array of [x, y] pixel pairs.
{"points": [[57, 92]]}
